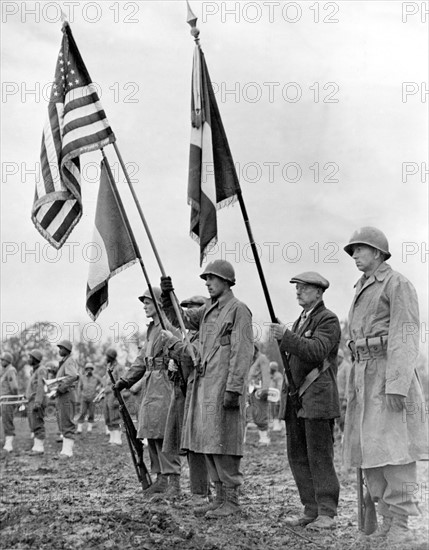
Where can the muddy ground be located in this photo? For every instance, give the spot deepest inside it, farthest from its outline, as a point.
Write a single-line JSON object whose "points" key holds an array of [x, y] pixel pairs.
{"points": [[94, 501]]}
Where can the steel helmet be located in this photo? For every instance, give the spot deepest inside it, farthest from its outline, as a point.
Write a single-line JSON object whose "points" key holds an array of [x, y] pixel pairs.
{"points": [[6, 356], [194, 301], [65, 344], [51, 366], [156, 292], [36, 354], [370, 236], [89, 366], [111, 353], [220, 268]]}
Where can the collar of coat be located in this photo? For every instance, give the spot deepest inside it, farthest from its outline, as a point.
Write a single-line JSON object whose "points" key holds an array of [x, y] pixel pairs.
{"points": [[380, 274], [223, 300]]}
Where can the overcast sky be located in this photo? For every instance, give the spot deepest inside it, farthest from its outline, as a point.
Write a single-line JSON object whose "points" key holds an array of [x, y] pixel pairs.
{"points": [[326, 116]]}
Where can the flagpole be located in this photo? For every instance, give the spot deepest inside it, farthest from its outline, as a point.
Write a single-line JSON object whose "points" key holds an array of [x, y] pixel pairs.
{"points": [[195, 32], [132, 239], [173, 296]]}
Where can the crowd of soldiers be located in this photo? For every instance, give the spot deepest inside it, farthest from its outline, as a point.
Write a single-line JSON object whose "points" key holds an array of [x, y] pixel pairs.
{"points": [[194, 397]]}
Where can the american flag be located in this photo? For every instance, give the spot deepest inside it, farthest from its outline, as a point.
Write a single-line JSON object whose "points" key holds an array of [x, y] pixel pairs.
{"points": [[213, 181], [76, 124]]}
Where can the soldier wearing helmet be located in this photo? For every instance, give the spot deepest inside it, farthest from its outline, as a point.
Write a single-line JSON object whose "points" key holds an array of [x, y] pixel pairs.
{"points": [[215, 420], [89, 385], [67, 377], [381, 435], [8, 386], [112, 416], [37, 400], [152, 365]]}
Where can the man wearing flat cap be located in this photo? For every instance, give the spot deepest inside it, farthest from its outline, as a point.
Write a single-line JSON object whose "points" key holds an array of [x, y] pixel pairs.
{"points": [[385, 430], [311, 348]]}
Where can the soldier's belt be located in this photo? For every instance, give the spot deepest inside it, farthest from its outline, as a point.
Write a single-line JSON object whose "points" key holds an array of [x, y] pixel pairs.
{"points": [[368, 348]]}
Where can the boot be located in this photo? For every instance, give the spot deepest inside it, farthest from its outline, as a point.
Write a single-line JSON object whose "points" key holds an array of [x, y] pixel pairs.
{"points": [[214, 504], [8, 443], [115, 437], [399, 533], [173, 486], [79, 428], [229, 507], [89, 427], [264, 439], [277, 425], [383, 528], [39, 446], [160, 485], [67, 450]]}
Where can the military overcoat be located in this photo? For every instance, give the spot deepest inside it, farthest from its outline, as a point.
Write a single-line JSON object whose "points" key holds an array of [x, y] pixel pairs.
{"points": [[385, 305]]}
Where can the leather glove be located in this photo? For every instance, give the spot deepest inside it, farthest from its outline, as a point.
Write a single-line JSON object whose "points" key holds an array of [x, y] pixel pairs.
{"points": [[395, 402], [231, 400], [121, 384], [166, 288]]}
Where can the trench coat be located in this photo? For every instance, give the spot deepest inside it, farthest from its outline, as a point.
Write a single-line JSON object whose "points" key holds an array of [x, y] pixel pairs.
{"points": [[385, 304], [156, 386], [225, 348], [308, 347], [36, 387]]}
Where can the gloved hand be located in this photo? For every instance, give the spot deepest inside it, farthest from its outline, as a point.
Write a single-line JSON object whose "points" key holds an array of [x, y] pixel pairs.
{"points": [[395, 402], [166, 288], [121, 384], [262, 395], [231, 400]]}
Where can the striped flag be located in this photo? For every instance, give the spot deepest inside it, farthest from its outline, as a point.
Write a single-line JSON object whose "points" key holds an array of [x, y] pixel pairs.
{"points": [[114, 241], [76, 124], [213, 181]]}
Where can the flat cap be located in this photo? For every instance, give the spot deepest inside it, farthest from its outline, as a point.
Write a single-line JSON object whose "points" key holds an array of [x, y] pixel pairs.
{"points": [[311, 278], [194, 301]]}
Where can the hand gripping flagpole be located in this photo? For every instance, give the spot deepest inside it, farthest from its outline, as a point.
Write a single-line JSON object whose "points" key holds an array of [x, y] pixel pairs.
{"points": [[173, 296]]}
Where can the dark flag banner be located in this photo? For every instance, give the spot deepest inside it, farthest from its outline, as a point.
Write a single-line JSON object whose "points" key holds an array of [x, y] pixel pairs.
{"points": [[213, 181], [115, 244], [76, 124]]}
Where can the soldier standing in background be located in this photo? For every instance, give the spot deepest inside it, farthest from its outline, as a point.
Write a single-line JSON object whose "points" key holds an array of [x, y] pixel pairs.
{"points": [[88, 387], [112, 416], [384, 432], [8, 386], [66, 396], [37, 401]]}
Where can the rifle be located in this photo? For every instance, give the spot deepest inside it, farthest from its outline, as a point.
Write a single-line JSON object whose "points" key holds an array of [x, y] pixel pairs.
{"points": [[367, 516], [293, 392], [135, 444]]}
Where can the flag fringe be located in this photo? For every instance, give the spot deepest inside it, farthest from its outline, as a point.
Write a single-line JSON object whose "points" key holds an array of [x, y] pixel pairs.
{"points": [[56, 244]]}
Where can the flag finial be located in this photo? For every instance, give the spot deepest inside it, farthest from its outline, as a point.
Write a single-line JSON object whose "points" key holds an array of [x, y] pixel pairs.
{"points": [[192, 21]]}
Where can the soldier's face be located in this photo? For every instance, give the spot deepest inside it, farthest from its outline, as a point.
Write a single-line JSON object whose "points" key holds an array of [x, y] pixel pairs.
{"points": [[216, 286], [365, 257], [62, 351], [149, 307], [307, 295]]}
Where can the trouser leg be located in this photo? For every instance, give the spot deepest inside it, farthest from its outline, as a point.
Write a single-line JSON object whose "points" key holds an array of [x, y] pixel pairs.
{"points": [[298, 461], [225, 468], [320, 448], [169, 462], [198, 474], [38, 421], [259, 410], [66, 414], [8, 412], [91, 411], [83, 411], [394, 486], [155, 466]]}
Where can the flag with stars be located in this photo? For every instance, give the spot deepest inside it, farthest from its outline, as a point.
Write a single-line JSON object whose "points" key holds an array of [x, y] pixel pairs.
{"points": [[76, 124], [213, 181]]}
